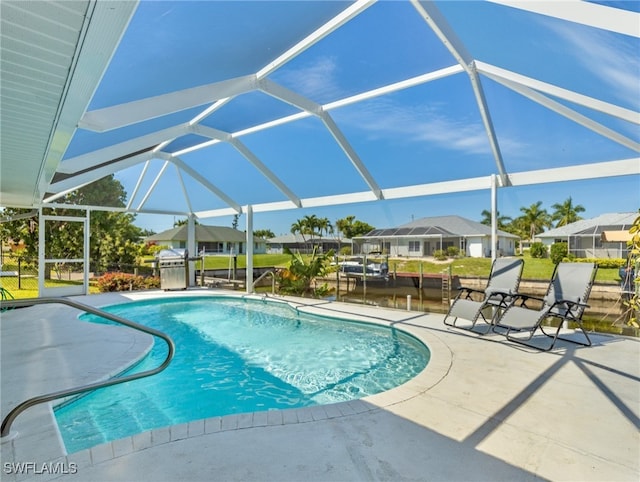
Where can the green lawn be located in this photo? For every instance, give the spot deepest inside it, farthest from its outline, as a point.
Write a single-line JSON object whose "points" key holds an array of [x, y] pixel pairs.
{"points": [[533, 268], [474, 267], [259, 261]]}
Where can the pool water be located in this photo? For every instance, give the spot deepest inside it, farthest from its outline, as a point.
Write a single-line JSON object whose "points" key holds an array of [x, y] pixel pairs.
{"points": [[236, 355]]}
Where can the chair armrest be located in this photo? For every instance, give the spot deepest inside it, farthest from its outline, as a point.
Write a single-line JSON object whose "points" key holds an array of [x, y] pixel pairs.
{"points": [[570, 303], [522, 298], [467, 292]]}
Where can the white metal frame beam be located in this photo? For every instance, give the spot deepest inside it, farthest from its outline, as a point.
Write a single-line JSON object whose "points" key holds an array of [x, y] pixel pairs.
{"points": [[498, 74], [565, 111], [100, 156], [343, 17], [586, 13], [202, 180], [279, 92], [437, 22], [624, 167], [122, 115], [89, 176], [249, 156]]}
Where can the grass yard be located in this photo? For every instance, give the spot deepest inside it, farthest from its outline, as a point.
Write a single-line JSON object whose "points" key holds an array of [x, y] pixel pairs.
{"points": [[534, 268]]}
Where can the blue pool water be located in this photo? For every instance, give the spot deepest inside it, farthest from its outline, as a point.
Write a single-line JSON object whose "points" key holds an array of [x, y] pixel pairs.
{"points": [[237, 355]]}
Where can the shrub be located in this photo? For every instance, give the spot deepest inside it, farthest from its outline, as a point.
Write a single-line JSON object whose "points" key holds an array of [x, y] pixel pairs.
{"points": [[440, 255], [538, 250], [604, 263], [345, 251], [453, 251], [558, 252], [125, 282]]}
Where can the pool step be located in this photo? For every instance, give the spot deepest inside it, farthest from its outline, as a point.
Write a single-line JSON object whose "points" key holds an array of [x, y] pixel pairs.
{"points": [[119, 422], [147, 413]]}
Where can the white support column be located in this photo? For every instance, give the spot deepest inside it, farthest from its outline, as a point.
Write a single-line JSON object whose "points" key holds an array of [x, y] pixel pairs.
{"points": [[87, 251], [41, 263], [192, 247], [249, 264], [494, 218]]}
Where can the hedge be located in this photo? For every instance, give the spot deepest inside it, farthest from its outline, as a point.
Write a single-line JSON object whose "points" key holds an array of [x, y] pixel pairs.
{"points": [[126, 282]]}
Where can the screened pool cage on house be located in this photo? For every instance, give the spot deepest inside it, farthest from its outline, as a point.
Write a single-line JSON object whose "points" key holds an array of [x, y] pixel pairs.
{"points": [[211, 109]]}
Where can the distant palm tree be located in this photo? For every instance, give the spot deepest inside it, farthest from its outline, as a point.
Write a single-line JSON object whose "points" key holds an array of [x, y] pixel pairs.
{"points": [[264, 233], [566, 213], [299, 227], [311, 225], [325, 226], [502, 221], [345, 226], [535, 219]]}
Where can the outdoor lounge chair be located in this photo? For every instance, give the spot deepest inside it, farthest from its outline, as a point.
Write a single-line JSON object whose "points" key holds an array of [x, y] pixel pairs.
{"points": [[565, 300], [504, 280]]}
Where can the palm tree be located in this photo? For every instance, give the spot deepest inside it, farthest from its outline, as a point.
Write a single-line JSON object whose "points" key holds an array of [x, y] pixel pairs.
{"points": [[345, 226], [325, 226], [312, 225], [299, 227], [535, 218], [502, 221], [566, 213]]}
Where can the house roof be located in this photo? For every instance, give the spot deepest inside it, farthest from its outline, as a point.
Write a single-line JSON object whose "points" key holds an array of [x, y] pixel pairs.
{"points": [[297, 238], [438, 226], [203, 234], [593, 226]]}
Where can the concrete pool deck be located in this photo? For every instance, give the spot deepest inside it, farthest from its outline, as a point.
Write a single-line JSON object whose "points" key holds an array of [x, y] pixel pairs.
{"points": [[483, 409]]}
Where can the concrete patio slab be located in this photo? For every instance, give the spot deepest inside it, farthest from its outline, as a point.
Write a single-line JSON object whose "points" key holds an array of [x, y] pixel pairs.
{"points": [[483, 409]]}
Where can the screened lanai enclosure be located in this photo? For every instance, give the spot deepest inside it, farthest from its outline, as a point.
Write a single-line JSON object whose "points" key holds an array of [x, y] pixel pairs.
{"points": [[204, 109]]}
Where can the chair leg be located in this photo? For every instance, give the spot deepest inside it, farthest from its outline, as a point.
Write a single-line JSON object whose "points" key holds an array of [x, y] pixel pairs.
{"points": [[449, 324], [557, 337]]}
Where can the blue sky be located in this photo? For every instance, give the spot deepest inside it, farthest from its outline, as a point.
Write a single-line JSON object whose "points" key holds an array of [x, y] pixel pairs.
{"points": [[428, 133]]}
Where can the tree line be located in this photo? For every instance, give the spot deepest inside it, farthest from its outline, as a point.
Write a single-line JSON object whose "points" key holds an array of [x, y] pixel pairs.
{"points": [[535, 219], [115, 240]]}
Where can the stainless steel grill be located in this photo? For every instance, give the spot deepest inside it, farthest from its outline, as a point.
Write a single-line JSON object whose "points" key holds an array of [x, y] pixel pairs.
{"points": [[174, 269]]}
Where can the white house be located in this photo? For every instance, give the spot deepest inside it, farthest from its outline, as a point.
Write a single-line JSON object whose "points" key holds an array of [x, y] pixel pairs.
{"points": [[296, 242], [424, 236], [209, 239], [584, 237]]}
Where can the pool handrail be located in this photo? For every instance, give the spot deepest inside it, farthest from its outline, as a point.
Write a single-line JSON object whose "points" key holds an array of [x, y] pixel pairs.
{"points": [[263, 275], [5, 429]]}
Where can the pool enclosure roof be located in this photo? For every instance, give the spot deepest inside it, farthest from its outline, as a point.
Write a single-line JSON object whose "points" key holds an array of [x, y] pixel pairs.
{"points": [[207, 108], [594, 226]]}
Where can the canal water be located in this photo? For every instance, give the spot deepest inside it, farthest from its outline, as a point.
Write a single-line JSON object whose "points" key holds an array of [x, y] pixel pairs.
{"points": [[606, 312]]}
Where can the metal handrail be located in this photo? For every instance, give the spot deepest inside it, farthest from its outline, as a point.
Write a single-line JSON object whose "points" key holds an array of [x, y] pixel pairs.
{"points": [[8, 420], [273, 281]]}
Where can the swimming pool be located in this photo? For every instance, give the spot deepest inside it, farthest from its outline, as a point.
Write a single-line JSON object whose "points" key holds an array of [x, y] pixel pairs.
{"points": [[237, 355]]}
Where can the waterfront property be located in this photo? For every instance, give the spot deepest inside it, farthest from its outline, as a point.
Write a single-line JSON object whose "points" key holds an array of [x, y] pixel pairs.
{"points": [[584, 238], [318, 106], [209, 240], [304, 244], [424, 236]]}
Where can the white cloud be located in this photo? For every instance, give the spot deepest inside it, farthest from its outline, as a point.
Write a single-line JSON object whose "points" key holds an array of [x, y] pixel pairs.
{"points": [[610, 59], [383, 118], [315, 81]]}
